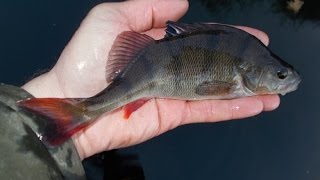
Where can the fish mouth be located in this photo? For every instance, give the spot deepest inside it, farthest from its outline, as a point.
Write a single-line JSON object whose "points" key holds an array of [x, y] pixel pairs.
{"points": [[290, 86]]}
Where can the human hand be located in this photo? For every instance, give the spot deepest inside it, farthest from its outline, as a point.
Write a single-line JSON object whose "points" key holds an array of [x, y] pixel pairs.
{"points": [[80, 72]]}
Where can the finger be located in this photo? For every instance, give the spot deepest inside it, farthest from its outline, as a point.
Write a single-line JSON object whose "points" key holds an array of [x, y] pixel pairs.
{"points": [[159, 33], [156, 33], [257, 33], [219, 110], [270, 102], [142, 15]]}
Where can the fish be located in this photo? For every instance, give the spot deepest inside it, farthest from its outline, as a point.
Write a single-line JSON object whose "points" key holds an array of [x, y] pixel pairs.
{"points": [[196, 61]]}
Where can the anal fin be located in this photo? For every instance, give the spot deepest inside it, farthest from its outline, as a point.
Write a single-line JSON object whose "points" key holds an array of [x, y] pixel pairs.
{"points": [[133, 106]]}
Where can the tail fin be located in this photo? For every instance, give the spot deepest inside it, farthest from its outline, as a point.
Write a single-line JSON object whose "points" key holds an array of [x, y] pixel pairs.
{"points": [[65, 117]]}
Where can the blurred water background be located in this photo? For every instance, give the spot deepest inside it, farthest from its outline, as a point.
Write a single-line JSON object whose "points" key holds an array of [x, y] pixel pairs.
{"points": [[283, 144]]}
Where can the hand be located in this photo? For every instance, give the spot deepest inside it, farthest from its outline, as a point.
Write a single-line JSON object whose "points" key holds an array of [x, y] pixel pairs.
{"points": [[80, 72]]}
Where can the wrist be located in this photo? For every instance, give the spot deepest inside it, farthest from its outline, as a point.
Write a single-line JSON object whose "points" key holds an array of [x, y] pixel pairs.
{"points": [[78, 146], [45, 85]]}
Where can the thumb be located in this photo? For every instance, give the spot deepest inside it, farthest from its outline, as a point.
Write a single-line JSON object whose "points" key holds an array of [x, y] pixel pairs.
{"points": [[143, 15], [89, 47]]}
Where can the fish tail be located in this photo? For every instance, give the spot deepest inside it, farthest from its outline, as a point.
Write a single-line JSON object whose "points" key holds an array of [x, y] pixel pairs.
{"points": [[64, 117]]}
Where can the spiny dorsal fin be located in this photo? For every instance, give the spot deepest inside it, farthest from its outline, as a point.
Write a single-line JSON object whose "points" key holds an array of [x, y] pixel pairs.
{"points": [[175, 29], [127, 46]]}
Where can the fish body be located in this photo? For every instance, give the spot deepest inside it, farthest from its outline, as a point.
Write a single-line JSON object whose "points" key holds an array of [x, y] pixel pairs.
{"points": [[192, 62]]}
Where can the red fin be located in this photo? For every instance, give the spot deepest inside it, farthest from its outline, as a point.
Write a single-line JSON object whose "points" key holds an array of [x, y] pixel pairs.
{"points": [[64, 117], [127, 46], [133, 106]]}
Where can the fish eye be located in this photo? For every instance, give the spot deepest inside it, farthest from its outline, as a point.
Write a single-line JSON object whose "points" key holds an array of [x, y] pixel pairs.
{"points": [[282, 73]]}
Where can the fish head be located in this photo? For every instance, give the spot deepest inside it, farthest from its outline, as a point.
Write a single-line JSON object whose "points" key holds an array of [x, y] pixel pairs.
{"points": [[269, 75]]}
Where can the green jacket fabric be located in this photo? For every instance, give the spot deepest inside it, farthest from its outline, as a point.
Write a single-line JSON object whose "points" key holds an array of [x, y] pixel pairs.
{"points": [[22, 154]]}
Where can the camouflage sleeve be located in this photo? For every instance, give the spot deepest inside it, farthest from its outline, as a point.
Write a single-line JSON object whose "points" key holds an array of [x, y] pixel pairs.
{"points": [[22, 154]]}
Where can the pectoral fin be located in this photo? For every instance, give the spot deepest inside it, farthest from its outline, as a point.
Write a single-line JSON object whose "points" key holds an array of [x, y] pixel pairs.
{"points": [[214, 88]]}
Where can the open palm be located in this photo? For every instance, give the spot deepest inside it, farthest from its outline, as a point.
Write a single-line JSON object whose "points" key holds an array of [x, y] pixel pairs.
{"points": [[80, 72]]}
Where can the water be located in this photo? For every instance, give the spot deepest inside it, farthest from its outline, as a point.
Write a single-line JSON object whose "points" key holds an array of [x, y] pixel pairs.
{"points": [[283, 144]]}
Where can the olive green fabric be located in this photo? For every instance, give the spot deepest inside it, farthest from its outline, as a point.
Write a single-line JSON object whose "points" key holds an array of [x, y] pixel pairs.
{"points": [[22, 154]]}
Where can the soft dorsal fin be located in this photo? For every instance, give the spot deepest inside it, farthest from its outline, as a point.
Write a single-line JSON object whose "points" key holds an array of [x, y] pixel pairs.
{"points": [[175, 29], [127, 46]]}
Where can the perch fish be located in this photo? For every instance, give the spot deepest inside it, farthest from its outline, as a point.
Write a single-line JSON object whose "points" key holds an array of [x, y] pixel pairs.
{"points": [[192, 62]]}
